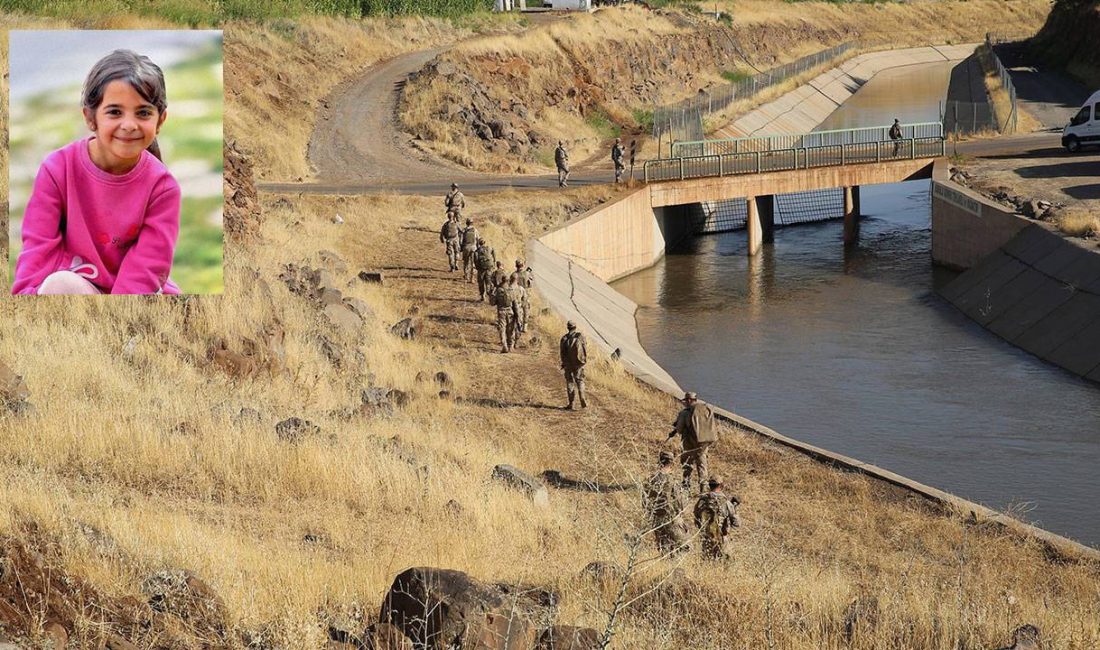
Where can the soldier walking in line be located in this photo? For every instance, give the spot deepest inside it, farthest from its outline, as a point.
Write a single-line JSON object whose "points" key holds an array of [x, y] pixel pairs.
{"points": [[715, 514], [617, 152], [574, 355], [523, 279], [469, 245], [895, 135], [484, 260], [664, 501], [502, 300], [455, 201], [518, 295], [695, 426], [449, 234], [561, 159], [498, 276]]}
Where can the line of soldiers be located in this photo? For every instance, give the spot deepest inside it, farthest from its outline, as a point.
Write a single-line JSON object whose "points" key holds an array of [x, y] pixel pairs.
{"points": [[664, 494], [664, 497], [561, 161]]}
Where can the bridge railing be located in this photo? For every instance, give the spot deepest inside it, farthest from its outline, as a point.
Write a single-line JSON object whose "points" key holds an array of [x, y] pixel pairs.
{"points": [[756, 162], [803, 140]]}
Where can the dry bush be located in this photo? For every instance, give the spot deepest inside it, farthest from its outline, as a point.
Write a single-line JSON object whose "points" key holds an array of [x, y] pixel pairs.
{"points": [[1079, 222]]}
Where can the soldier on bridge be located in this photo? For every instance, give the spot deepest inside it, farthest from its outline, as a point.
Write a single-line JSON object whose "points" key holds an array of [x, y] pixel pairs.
{"points": [[895, 135]]}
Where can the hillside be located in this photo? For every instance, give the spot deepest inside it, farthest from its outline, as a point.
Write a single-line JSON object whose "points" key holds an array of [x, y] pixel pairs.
{"points": [[501, 104], [1068, 39], [159, 492]]}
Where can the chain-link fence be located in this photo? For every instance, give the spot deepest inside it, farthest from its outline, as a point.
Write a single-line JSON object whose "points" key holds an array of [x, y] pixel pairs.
{"points": [[714, 217], [684, 120], [1006, 82], [965, 118]]}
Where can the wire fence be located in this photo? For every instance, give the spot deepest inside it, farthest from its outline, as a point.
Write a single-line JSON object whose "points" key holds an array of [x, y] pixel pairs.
{"points": [[804, 140], [797, 207], [1006, 83], [684, 120]]}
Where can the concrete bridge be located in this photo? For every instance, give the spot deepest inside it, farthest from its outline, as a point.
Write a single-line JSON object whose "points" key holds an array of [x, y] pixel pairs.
{"points": [[620, 238]]}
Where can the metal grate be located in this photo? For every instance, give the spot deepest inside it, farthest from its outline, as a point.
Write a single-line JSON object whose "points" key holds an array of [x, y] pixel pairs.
{"points": [[798, 207]]}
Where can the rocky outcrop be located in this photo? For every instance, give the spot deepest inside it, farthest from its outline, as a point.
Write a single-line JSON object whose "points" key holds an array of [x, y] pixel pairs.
{"points": [[242, 216], [524, 482]]}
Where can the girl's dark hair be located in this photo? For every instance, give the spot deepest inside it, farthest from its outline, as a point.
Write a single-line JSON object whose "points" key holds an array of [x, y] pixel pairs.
{"points": [[135, 69]]}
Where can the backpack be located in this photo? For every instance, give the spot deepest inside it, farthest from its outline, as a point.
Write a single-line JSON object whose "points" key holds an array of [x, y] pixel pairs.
{"points": [[573, 351], [469, 237], [710, 517], [450, 230], [483, 259]]}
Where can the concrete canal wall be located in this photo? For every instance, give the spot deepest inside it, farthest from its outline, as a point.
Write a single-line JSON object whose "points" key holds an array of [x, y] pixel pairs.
{"points": [[1024, 282]]}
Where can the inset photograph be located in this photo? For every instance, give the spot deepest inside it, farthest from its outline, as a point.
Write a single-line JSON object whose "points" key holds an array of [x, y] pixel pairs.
{"points": [[116, 162]]}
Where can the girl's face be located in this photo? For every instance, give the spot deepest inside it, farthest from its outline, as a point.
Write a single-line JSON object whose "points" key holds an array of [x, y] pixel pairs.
{"points": [[124, 124]]}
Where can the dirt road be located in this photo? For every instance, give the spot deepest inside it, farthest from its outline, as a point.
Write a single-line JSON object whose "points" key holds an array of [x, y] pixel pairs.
{"points": [[1048, 95]]}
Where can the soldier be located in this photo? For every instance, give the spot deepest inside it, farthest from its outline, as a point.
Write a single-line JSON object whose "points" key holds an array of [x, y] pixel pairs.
{"points": [[469, 245], [523, 279], [455, 201], [449, 235], [695, 426], [617, 158], [573, 357], [663, 498], [502, 300], [715, 514], [484, 259], [498, 276], [517, 295], [561, 159]]}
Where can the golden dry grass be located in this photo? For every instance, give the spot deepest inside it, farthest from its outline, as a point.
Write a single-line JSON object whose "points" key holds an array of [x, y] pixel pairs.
{"points": [[1079, 222], [1000, 100]]}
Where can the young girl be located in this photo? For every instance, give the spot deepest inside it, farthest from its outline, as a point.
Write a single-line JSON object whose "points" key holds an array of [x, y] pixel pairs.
{"points": [[104, 213]]}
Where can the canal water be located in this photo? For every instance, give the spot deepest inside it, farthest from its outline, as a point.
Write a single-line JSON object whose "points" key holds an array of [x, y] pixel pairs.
{"points": [[854, 351]]}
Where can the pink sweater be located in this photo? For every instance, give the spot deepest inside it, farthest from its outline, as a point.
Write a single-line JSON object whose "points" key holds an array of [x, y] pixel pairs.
{"points": [[117, 231]]}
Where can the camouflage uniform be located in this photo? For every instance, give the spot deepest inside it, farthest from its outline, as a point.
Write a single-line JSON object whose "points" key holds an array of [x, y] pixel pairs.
{"points": [[715, 514], [498, 276], [695, 426], [617, 158], [502, 299], [561, 160], [455, 201], [523, 279], [484, 259], [515, 323], [449, 235], [663, 498], [574, 355], [469, 245], [895, 135]]}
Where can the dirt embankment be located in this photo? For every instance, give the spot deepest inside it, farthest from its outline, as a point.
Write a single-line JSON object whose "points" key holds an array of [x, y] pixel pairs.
{"points": [[502, 105], [1069, 39]]}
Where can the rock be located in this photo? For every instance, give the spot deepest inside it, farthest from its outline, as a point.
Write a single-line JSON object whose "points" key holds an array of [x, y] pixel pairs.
{"points": [[384, 636], [497, 128], [444, 394], [57, 635], [332, 351], [182, 594], [374, 277], [567, 637], [1025, 637], [377, 398], [443, 379], [462, 612], [115, 642], [330, 296], [13, 391], [406, 328], [524, 482], [453, 508], [295, 429], [337, 219], [343, 318], [248, 414], [332, 262], [1031, 209], [360, 307], [445, 68]]}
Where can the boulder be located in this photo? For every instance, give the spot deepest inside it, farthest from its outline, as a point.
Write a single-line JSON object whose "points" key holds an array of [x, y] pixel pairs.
{"points": [[442, 608], [406, 328], [521, 480], [383, 636], [378, 398], [343, 318], [360, 307], [373, 277], [183, 595], [332, 261], [13, 391], [295, 429], [330, 296], [567, 637]]}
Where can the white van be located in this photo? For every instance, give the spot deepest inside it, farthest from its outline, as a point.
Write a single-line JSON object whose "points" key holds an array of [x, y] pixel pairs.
{"points": [[1084, 128]]}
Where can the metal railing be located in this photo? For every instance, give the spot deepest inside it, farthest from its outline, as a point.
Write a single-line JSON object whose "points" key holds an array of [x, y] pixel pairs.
{"points": [[756, 162], [804, 140], [684, 120]]}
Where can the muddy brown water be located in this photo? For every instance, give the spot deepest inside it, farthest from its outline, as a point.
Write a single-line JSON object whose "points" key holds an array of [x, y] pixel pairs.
{"points": [[854, 351]]}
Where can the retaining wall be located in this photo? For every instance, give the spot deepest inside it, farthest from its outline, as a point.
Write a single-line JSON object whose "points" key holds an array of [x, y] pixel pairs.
{"points": [[1029, 285]]}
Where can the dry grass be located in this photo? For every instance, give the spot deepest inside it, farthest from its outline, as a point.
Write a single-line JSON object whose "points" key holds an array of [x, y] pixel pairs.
{"points": [[1079, 222], [1000, 100]]}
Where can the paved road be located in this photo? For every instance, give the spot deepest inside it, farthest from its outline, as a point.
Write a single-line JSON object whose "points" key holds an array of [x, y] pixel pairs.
{"points": [[1049, 95]]}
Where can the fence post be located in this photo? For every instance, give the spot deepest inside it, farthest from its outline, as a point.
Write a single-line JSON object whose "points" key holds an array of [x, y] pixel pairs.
{"points": [[757, 162], [681, 169], [720, 174]]}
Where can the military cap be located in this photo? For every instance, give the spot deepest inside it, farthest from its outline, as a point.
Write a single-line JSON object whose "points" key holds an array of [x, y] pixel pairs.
{"points": [[519, 263], [666, 458], [454, 186], [571, 325], [714, 482], [690, 395], [469, 221]]}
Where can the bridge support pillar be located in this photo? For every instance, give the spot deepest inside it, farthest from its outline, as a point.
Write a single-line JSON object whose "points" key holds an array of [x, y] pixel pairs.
{"points": [[754, 225], [765, 206], [852, 214]]}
